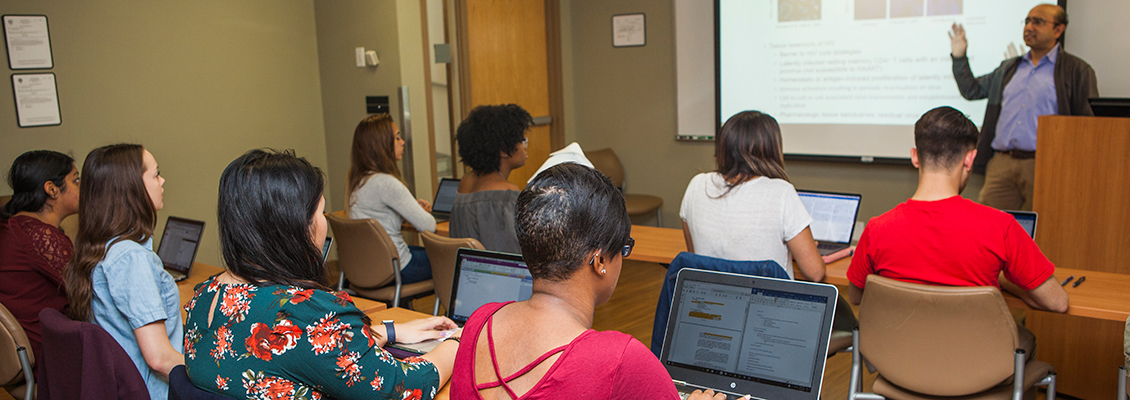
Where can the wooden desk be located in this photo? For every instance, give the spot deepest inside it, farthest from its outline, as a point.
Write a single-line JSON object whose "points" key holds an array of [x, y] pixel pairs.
{"points": [[398, 315], [201, 272]]}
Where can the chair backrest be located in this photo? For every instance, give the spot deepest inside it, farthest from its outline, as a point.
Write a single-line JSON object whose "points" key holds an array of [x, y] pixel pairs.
{"points": [[82, 361], [605, 161], [180, 388], [11, 335], [5, 199], [365, 252], [941, 340], [441, 254]]}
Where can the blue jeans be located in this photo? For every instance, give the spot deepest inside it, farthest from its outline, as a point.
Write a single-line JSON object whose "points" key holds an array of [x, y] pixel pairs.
{"points": [[417, 270]]}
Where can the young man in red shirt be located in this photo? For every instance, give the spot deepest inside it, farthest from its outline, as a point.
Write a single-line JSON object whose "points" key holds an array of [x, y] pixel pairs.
{"points": [[939, 238]]}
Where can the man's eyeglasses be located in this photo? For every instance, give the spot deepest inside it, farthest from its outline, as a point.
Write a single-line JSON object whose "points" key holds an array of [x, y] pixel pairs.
{"points": [[1038, 21]]}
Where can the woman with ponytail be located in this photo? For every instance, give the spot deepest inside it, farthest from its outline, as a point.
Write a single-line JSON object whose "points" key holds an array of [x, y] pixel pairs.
{"points": [[33, 250], [115, 279]]}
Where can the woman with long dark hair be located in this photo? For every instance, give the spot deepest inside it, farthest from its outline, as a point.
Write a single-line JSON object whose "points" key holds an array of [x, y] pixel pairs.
{"points": [[747, 209], [115, 279], [33, 250], [376, 191], [269, 327]]}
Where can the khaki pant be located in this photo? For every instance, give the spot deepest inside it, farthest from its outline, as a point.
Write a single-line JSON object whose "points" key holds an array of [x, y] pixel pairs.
{"points": [[1009, 183]]}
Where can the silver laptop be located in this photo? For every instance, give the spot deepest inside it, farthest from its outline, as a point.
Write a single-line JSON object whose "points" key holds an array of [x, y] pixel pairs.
{"points": [[833, 218], [481, 277], [1027, 220], [179, 244], [445, 199], [742, 334]]}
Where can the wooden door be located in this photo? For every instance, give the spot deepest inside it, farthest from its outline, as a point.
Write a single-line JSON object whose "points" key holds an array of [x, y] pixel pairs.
{"points": [[510, 53]]}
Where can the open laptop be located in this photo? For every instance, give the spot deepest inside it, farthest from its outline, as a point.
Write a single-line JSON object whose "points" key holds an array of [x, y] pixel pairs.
{"points": [[742, 334], [445, 199], [1027, 220], [179, 244], [833, 218], [481, 277]]}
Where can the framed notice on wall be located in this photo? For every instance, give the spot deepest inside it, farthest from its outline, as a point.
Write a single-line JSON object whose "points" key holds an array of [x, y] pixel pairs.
{"points": [[28, 42], [628, 30], [37, 99]]}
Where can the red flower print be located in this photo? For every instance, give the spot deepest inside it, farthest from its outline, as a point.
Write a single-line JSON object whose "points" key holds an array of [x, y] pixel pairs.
{"points": [[265, 341], [377, 383], [343, 299], [414, 394], [236, 302], [298, 296], [259, 386], [222, 383], [223, 343], [328, 334], [348, 369], [190, 338], [368, 332]]}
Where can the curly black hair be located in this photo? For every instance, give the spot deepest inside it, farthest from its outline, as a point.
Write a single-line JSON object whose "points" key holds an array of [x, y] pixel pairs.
{"points": [[489, 130]]}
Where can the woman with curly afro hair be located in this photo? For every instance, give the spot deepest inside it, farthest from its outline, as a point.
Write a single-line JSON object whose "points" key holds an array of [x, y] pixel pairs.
{"points": [[492, 142]]}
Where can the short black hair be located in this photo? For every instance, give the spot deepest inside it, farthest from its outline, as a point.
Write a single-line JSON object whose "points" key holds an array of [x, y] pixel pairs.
{"points": [[942, 136], [489, 130], [566, 212], [28, 174], [267, 201]]}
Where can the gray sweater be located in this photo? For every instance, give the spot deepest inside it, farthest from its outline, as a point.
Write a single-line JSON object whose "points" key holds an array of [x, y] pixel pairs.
{"points": [[487, 216], [384, 198]]}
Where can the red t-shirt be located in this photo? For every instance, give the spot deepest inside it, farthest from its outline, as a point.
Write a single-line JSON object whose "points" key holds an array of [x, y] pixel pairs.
{"points": [[949, 242], [596, 365]]}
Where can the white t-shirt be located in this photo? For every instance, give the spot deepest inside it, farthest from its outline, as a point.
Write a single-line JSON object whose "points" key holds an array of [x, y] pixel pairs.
{"points": [[750, 223]]}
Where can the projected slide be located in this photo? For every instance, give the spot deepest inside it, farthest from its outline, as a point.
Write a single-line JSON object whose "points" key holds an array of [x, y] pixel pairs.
{"points": [[826, 66]]}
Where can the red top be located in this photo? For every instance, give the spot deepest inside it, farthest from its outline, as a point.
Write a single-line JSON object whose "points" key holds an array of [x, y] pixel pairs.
{"points": [[949, 242], [595, 365], [32, 257]]}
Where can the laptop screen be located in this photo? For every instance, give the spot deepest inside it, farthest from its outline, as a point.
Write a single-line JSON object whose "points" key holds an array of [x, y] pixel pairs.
{"points": [[179, 243], [483, 277], [759, 335], [1027, 221], [445, 195], [833, 214]]}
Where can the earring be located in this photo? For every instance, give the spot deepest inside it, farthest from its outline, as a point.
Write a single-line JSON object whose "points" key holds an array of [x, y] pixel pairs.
{"points": [[602, 272]]}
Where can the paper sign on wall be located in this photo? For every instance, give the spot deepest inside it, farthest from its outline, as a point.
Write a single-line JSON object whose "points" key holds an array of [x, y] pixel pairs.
{"points": [[37, 100], [29, 43]]}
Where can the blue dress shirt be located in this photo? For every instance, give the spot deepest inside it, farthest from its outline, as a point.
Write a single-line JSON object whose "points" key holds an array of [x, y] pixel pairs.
{"points": [[131, 290], [1029, 94]]}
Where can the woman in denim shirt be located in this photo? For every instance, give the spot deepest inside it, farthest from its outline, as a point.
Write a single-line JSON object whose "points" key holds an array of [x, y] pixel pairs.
{"points": [[115, 279]]}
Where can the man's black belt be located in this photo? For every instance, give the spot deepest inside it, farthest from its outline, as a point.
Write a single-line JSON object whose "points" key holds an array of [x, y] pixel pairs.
{"points": [[1020, 154]]}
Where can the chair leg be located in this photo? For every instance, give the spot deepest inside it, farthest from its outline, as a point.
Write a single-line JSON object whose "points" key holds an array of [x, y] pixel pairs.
{"points": [[29, 377], [1018, 375], [340, 281], [659, 217], [1121, 383], [436, 310], [854, 386], [396, 276], [1051, 386]]}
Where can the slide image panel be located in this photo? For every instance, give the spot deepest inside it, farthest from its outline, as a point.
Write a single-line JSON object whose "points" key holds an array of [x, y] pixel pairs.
{"points": [[870, 9], [907, 8], [943, 7], [798, 10]]}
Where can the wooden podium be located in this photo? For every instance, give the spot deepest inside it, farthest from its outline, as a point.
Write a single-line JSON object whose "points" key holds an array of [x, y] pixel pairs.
{"points": [[1082, 194]]}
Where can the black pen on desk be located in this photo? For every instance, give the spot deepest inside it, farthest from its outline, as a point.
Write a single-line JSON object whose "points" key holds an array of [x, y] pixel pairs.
{"points": [[1081, 279], [1068, 280]]}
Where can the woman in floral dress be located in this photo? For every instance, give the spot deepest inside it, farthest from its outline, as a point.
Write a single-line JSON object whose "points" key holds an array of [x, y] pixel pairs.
{"points": [[268, 328]]}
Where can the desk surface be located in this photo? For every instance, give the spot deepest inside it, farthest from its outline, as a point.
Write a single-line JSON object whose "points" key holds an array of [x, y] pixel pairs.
{"points": [[399, 315], [201, 272]]}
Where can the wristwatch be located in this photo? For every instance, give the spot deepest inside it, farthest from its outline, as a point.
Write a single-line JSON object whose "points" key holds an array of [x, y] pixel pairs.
{"points": [[390, 331]]}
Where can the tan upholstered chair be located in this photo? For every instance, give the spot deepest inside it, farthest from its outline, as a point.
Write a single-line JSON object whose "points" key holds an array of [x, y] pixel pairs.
{"points": [[368, 259], [17, 362], [5, 199], [932, 341], [441, 253], [605, 161]]}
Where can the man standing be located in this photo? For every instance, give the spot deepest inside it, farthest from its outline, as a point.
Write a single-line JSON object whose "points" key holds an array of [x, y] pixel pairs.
{"points": [[1046, 80], [939, 238]]}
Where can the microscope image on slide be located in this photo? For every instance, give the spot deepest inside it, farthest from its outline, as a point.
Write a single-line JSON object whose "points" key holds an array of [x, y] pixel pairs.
{"points": [[798, 10], [877, 9]]}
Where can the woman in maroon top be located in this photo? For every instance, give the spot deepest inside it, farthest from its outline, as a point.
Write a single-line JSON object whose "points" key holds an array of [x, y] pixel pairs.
{"points": [[33, 251], [574, 232]]}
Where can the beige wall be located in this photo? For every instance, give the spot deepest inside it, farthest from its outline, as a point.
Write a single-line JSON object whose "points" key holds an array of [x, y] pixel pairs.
{"points": [[198, 83], [392, 29], [624, 98]]}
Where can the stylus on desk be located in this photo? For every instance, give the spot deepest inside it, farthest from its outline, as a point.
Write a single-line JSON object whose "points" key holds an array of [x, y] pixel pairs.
{"points": [[1068, 280], [1081, 279]]}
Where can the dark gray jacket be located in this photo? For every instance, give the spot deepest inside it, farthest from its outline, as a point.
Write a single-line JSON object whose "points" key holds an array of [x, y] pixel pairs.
{"points": [[1075, 82]]}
